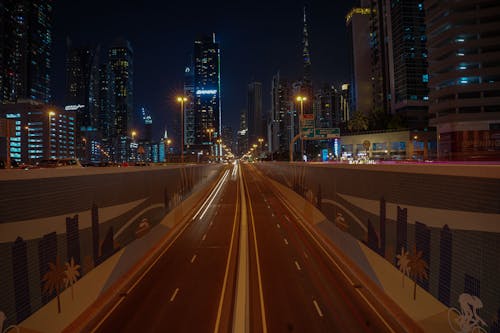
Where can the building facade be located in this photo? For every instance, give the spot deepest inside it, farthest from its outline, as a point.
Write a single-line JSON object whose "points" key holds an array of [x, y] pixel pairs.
{"points": [[207, 107], [242, 139], [254, 110], [464, 62], [81, 70], [25, 50], [360, 83], [120, 57], [41, 131], [281, 104], [189, 114], [408, 62]]}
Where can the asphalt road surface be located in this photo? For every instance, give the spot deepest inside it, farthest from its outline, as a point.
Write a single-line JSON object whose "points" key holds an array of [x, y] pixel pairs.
{"points": [[278, 279]]}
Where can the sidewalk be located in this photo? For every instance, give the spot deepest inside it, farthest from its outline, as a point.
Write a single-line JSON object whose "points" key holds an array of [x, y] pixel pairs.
{"points": [[430, 314], [104, 282]]}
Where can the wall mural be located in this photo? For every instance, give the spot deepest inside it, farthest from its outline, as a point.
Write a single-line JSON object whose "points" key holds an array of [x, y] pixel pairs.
{"points": [[445, 229], [43, 254]]}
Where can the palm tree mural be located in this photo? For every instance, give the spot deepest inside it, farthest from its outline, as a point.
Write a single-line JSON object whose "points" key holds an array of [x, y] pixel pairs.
{"points": [[403, 263], [54, 280], [72, 274], [418, 269]]}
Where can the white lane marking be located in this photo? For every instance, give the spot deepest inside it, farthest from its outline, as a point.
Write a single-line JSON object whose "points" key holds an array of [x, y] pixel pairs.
{"points": [[193, 258], [215, 195], [286, 217], [317, 308], [212, 195], [259, 276], [268, 206], [333, 261], [174, 294], [285, 240], [278, 225], [297, 265], [204, 237], [305, 255], [230, 251]]}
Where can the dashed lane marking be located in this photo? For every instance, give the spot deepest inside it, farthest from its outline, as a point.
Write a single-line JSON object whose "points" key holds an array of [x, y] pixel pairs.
{"points": [[298, 265], [193, 258], [317, 308], [174, 294]]}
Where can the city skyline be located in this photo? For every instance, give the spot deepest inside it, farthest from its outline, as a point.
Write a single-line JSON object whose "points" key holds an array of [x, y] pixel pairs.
{"points": [[159, 71]]}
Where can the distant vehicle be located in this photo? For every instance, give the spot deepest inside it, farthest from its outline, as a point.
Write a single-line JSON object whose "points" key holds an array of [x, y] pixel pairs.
{"points": [[26, 166], [57, 163]]}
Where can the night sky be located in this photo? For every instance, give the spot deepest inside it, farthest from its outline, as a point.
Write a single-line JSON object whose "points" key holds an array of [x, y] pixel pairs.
{"points": [[257, 39]]}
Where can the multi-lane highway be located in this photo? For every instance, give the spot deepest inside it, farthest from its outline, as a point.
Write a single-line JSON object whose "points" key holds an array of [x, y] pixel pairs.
{"points": [[245, 262]]}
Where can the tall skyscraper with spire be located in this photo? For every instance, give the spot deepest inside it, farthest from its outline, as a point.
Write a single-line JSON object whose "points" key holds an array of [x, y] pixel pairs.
{"points": [[305, 53], [306, 87]]}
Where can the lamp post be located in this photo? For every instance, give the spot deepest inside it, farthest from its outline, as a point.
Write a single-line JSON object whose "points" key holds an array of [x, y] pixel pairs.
{"points": [[134, 133], [301, 99], [84, 141], [210, 131], [169, 142], [219, 142], [261, 141], [182, 100]]}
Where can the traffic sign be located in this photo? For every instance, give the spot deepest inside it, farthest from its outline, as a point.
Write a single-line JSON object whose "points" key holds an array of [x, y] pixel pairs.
{"points": [[327, 133], [308, 132]]}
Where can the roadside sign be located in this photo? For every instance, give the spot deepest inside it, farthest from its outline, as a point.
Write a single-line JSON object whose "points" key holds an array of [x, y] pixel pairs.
{"points": [[308, 121], [308, 132], [327, 133]]}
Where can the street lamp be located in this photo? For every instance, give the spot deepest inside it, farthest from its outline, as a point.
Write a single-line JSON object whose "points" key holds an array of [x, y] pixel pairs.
{"points": [[219, 149], [301, 99], [169, 142], [210, 131], [261, 141], [182, 100]]}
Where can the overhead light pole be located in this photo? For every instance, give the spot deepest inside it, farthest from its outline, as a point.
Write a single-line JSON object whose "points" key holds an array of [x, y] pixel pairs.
{"points": [[182, 100], [301, 99]]}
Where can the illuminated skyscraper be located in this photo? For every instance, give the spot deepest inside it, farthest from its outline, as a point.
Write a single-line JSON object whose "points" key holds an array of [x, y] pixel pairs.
{"points": [[254, 112], [358, 27], [408, 62], [25, 49], [281, 104], [305, 86], [243, 133], [189, 118], [121, 92], [80, 71], [207, 108]]}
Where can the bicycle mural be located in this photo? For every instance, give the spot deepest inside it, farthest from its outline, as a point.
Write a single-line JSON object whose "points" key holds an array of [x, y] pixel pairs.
{"points": [[467, 319]]}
